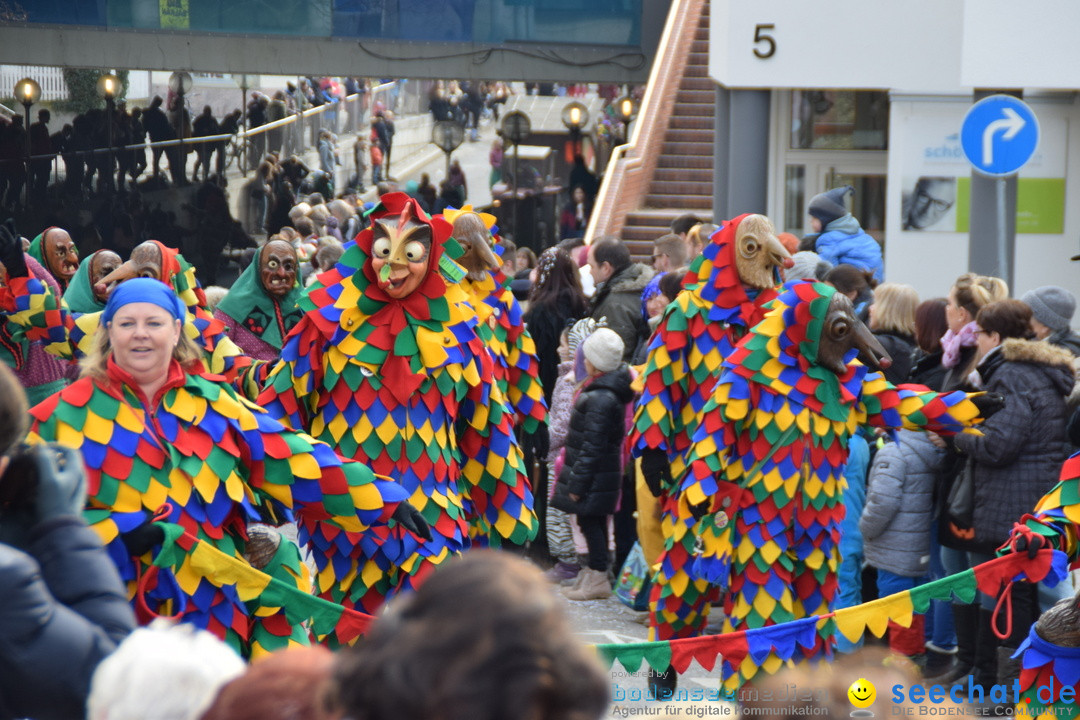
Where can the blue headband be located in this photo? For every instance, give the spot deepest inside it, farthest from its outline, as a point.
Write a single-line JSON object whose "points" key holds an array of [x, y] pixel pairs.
{"points": [[145, 290]]}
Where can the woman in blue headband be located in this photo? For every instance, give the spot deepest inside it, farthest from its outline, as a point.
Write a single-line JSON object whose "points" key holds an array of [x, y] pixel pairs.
{"points": [[163, 439]]}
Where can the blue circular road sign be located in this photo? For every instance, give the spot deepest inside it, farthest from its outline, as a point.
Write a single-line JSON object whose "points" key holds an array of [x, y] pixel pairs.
{"points": [[999, 135]]}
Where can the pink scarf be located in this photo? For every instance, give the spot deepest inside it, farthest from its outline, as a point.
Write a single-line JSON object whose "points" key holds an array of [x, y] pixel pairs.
{"points": [[952, 343]]}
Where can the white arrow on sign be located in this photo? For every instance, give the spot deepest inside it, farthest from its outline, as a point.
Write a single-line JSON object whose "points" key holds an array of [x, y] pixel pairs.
{"points": [[1012, 123]]}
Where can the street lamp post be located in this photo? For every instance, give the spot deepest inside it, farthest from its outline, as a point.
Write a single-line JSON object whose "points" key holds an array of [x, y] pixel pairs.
{"points": [[180, 83], [626, 110], [448, 136], [575, 116], [108, 86], [28, 92], [516, 127], [245, 83]]}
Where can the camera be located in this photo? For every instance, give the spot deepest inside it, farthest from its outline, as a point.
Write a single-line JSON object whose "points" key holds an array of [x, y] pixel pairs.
{"points": [[19, 483]]}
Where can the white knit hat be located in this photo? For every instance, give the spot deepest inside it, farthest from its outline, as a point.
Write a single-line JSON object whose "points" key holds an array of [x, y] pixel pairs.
{"points": [[604, 349]]}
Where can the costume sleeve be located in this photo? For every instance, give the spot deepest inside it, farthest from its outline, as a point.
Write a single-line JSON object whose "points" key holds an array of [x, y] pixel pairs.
{"points": [[526, 394], [914, 407], [658, 414], [1057, 514], [290, 389], [33, 313], [492, 469]]}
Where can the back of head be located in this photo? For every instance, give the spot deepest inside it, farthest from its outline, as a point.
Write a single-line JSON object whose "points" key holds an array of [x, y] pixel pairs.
{"points": [[286, 685], [14, 411], [682, 224], [972, 291], [850, 279], [931, 324], [613, 251], [1052, 306], [483, 638], [305, 226], [1008, 318], [894, 308], [162, 672]]}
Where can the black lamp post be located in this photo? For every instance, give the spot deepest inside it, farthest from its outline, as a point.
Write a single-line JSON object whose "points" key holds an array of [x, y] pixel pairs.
{"points": [[448, 136], [108, 87], [575, 116], [245, 82], [516, 128], [28, 92], [180, 83], [626, 109]]}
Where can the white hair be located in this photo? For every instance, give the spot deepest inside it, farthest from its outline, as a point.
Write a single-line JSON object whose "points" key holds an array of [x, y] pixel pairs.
{"points": [[162, 672]]}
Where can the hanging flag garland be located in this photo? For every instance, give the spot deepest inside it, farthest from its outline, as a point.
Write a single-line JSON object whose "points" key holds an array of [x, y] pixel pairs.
{"points": [[733, 648]]}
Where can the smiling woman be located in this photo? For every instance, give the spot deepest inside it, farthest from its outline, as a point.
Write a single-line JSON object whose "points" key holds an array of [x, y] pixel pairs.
{"points": [[163, 440]]}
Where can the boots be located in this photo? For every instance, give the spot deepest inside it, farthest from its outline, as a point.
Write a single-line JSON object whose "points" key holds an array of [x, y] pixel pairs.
{"points": [[594, 586], [563, 571], [986, 651], [1008, 667], [966, 619]]}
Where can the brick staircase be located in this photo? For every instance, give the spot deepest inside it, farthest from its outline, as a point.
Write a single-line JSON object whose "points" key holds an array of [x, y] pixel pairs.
{"points": [[682, 182]]}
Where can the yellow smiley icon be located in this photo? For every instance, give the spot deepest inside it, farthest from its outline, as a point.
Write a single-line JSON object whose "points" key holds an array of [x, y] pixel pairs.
{"points": [[862, 693]]}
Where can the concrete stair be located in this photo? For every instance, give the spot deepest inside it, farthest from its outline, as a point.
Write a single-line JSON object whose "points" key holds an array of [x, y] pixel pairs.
{"points": [[682, 182]]}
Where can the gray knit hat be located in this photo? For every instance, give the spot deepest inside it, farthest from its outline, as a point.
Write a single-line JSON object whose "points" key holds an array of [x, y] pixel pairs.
{"points": [[805, 266], [1051, 305], [604, 349], [829, 205]]}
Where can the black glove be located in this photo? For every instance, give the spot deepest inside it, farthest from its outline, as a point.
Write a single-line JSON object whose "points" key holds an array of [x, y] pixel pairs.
{"points": [[143, 538], [988, 403], [41, 483], [700, 510], [11, 250], [411, 519], [656, 470]]}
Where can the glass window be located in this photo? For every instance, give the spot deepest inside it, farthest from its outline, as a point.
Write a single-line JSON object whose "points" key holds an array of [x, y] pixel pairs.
{"points": [[839, 120], [794, 198]]}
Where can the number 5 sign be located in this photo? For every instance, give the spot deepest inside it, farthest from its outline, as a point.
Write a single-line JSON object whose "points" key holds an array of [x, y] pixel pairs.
{"points": [[791, 44]]}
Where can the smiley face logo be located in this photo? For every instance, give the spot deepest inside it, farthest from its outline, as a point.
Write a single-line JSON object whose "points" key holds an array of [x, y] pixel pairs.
{"points": [[862, 693]]}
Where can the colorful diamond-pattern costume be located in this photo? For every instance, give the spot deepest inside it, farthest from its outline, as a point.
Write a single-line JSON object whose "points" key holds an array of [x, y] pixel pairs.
{"points": [[768, 460], [215, 461], [1056, 518], [698, 331], [405, 386], [500, 326]]}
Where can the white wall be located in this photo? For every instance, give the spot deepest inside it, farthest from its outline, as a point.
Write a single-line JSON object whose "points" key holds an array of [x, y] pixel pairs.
{"points": [[920, 144]]}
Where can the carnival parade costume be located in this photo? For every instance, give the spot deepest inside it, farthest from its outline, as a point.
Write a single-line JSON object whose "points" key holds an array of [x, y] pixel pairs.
{"points": [[766, 469], [698, 331], [404, 385], [201, 457]]}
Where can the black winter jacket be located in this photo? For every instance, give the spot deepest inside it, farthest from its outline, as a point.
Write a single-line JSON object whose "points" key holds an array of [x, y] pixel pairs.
{"points": [[1018, 457], [62, 610], [592, 465], [901, 349], [619, 301]]}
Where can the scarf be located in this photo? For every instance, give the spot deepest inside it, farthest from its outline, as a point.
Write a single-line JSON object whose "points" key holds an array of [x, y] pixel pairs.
{"points": [[952, 343], [257, 311], [79, 295]]}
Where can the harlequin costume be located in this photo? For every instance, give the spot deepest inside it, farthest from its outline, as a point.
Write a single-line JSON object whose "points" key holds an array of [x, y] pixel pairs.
{"points": [[405, 386], [200, 456], [767, 463], [256, 320], [31, 326], [501, 328], [1053, 657], [686, 355]]}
